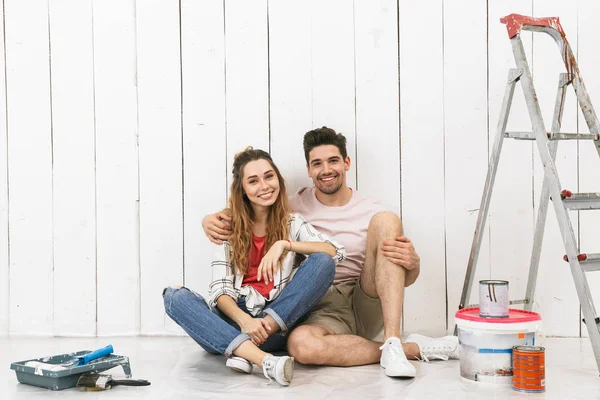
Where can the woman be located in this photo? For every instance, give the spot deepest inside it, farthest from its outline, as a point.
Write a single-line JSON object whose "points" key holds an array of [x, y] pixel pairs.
{"points": [[253, 300]]}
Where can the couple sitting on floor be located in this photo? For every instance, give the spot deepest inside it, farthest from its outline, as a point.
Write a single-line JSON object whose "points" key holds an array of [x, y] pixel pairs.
{"points": [[325, 309]]}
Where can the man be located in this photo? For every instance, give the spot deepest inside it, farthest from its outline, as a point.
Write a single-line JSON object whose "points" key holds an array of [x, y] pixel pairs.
{"points": [[368, 288]]}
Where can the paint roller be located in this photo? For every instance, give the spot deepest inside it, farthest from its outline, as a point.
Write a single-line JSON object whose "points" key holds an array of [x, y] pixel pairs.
{"points": [[76, 361]]}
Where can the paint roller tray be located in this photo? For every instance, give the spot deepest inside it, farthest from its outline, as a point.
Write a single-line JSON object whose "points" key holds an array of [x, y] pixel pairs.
{"points": [[67, 378]]}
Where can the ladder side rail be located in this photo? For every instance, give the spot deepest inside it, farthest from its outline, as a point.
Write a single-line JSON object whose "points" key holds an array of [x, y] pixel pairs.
{"points": [[540, 222], [564, 222], [583, 97], [587, 109]]}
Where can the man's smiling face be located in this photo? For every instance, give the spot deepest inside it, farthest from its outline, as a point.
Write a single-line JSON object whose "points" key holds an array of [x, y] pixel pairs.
{"points": [[327, 168]]}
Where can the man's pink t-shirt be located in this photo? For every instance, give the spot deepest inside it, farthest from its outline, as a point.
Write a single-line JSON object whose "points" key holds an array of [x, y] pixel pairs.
{"points": [[346, 225]]}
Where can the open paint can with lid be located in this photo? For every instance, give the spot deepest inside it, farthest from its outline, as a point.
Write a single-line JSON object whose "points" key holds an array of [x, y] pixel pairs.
{"points": [[493, 299]]}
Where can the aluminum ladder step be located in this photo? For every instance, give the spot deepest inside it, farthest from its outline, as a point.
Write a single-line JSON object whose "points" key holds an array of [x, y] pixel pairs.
{"points": [[510, 302], [553, 136], [588, 262], [580, 201]]}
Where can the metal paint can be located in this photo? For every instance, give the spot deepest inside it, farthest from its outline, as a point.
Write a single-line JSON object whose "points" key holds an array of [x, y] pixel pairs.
{"points": [[529, 369], [493, 299]]}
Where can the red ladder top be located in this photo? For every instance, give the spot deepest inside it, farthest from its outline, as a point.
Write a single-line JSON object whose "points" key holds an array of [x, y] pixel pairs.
{"points": [[515, 22]]}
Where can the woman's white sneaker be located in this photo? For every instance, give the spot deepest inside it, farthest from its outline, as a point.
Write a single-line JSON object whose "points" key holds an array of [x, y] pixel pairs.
{"points": [[279, 368], [394, 361], [239, 364]]}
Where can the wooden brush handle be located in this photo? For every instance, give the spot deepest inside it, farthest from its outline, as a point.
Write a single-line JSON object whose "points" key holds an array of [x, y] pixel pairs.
{"points": [[128, 382]]}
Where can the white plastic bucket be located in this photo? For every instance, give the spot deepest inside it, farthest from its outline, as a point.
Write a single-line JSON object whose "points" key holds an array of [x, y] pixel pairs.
{"points": [[486, 344]]}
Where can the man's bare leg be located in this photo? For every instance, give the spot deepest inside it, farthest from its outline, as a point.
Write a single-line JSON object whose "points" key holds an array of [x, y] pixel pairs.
{"points": [[383, 279], [312, 344]]}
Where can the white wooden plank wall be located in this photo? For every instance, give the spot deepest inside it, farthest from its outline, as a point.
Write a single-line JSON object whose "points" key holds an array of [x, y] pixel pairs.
{"points": [[334, 71], [4, 276], [247, 77], [28, 105], [119, 121], [422, 155], [160, 156], [377, 107], [466, 142], [116, 107], [291, 65], [204, 130], [74, 183]]}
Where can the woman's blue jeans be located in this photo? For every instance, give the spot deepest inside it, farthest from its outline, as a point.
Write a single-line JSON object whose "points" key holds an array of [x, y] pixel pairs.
{"points": [[218, 334]]}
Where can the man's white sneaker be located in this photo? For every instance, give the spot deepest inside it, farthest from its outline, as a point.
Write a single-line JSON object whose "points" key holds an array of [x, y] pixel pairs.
{"points": [[394, 360], [239, 364], [279, 368], [443, 348]]}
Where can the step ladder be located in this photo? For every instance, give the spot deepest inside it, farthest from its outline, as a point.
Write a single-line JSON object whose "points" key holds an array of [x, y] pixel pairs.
{"points": [[547, 143]]}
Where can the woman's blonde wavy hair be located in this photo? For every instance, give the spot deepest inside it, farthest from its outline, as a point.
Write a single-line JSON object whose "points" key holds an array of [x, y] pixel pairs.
{"points": [[242, 213]]}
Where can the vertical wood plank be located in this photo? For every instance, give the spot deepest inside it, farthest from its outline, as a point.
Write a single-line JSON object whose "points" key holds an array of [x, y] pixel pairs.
{"points": [[422, 155], [72, 83], [247, 74], [556, 298], [333, 72], [377, 102], [29, 167], [290, 66], [466, 142], [511, 210], [118, 284], [160, 156], [589, 178], [204, 136], [4, 271]]}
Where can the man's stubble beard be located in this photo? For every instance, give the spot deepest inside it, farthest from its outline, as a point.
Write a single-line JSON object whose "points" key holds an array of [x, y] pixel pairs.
{"points": [[329, 190]]}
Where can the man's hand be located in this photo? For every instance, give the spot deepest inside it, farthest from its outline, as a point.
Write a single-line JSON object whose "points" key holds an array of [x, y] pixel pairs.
{"points": [[216, 227], [401, 252], [270, 261], [257, 328]]}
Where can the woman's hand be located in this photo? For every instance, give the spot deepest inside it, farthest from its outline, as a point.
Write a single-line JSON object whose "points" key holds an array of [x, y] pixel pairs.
{"points": [[257, 328], [270, 262]]}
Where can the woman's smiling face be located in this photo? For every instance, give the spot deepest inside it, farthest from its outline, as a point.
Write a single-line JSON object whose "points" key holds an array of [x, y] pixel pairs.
{"points": [[260, 183]]}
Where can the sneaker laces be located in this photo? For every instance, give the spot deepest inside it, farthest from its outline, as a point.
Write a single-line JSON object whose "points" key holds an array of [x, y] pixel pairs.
{"points": [[442, 352], [268, 365], [395, 351]]}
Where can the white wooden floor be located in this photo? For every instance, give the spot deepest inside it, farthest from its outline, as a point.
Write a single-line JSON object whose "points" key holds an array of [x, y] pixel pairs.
{"points": [[179, 369]]}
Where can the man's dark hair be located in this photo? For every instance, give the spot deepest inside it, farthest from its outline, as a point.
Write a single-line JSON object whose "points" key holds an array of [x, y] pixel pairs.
{"points": [[323, 136]]}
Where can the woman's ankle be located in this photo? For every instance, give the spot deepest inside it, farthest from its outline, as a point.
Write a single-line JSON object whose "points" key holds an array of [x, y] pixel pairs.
{"points": [[273, 324]]}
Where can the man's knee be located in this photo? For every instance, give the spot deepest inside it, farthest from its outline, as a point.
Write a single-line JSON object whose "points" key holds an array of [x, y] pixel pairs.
{"points": [[386, 221], [305, 346]]}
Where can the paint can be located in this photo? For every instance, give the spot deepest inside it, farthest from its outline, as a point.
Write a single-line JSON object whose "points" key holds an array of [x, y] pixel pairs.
{"points": [[493, 299], [529, 370]]}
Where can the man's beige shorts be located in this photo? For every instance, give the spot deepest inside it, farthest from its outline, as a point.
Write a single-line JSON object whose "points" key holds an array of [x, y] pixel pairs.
{"points": [[346, 309]]}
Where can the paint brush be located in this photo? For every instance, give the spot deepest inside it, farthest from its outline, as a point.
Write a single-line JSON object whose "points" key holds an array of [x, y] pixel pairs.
{"points": [[96, 382]]}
